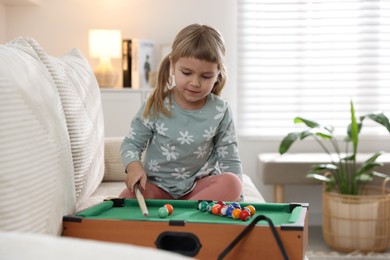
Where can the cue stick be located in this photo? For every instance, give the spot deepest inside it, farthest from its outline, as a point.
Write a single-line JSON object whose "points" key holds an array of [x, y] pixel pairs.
{"points": [[141, 200]]}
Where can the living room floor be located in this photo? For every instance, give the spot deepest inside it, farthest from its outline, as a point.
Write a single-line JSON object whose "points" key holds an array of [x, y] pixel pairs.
{"points": [[317, 243]]}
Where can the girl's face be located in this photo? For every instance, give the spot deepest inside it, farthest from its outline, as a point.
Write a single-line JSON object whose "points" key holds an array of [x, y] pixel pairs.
{"points": [[194, 81]]}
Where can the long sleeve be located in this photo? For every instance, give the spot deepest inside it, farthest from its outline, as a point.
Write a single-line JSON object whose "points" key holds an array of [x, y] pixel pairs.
{"points": [[137, 139], [226, 147]]}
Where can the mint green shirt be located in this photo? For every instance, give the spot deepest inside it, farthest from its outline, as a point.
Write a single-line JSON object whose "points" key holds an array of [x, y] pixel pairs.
{"points": [[184, 147]]}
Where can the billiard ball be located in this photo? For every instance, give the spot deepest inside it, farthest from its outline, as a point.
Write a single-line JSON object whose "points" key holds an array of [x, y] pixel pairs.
{"points": [[229, 211], [247, 209], [215, 209], [252, 209], [236, 213], [210, 205], [163, 212], [244, 215], [169, 207], [222, 203], [236, 205], [222, 210], [202, 206]]}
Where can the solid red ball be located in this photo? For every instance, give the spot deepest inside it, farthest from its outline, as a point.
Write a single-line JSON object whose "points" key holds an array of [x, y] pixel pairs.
{"points": [[245, 215]]}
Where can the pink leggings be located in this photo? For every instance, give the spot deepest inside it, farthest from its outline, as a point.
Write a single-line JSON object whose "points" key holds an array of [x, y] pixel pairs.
{"points": [[226, 187]]}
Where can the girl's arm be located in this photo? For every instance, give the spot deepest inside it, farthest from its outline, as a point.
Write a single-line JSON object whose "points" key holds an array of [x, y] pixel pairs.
{"points": [[132, 147], [226, 146]]}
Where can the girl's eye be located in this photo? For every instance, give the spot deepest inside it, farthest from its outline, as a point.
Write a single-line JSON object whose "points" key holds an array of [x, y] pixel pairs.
{"points": [[207, 77], [186, 73]]}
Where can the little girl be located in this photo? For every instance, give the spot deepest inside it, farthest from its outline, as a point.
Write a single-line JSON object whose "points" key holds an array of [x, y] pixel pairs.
{"points": [[185, 128]]}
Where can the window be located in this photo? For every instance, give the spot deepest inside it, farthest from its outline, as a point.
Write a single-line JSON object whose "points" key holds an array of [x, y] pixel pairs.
{"points": [[309, 59]]}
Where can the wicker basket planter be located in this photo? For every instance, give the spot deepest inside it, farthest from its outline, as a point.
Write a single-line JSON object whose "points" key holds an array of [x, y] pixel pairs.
{"points": [[357, 222]]}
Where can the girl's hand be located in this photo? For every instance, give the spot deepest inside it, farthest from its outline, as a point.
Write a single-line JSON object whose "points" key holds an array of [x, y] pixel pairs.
{"points": [[135, 174]]}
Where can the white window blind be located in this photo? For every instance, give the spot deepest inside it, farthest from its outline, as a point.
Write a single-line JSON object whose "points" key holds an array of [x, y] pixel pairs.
{"points": [[309, 59]]}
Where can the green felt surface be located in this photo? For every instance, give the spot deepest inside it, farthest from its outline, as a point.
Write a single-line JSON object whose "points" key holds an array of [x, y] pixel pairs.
{"points": [[187, 210]]}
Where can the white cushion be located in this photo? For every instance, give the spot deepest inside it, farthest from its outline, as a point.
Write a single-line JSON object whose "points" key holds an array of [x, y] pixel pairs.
{"points": [[36, 176], [114, 169], [81, 101]]}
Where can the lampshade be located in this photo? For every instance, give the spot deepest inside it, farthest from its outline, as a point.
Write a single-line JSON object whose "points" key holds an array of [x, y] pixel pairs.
{"points": [[105, 44]]}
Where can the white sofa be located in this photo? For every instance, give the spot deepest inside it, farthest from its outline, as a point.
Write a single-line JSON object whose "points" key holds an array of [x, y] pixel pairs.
{"points": [[54, 158]]}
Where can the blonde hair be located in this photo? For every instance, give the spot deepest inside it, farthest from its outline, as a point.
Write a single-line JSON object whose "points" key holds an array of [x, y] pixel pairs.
{"points": [[194, 41]]}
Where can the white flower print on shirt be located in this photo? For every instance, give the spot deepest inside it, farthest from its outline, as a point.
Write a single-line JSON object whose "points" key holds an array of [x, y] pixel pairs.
{"points": [[229, 137], [169, 152], [180, 173], [221, 111], [223, 167], [201, 151], [160, 129], [185, 138], [148, 123], [131, 133], [153, 165], [130, 154], [205, 170], [222, 151], [209, 134]]}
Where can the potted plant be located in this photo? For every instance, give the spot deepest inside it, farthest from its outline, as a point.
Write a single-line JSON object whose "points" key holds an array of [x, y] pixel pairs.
{"points": [[350, 207]]}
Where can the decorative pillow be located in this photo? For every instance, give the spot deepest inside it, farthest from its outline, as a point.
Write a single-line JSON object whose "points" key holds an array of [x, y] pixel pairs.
{"points": [[114, 170], [81, 101], [36, 176]]}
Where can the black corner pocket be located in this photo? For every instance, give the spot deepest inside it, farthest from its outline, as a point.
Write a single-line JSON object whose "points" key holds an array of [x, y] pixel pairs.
{"points": [[180, 242]]}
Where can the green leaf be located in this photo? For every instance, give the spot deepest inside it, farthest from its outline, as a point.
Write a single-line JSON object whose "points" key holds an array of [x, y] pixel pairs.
{"points": [[322, 132], [348, 138], [370, 163], [364, 177], [319, 177], [380, 118], [330, 186], [308, 123], [354, 131], [305, 134], [373, 158], [325, 167], [288, 141], [380, 175], [368, 167]]}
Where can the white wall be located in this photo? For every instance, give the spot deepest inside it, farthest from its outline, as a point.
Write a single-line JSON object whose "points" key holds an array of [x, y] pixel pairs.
{"points": [[60, 25], [3, 29]]}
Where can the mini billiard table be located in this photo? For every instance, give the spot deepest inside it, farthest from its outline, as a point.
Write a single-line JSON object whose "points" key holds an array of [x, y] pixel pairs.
{"points": [[276, 231]]}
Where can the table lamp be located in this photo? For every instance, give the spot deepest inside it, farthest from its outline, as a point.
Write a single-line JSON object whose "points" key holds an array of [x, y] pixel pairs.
{"points": [[105, 44]]}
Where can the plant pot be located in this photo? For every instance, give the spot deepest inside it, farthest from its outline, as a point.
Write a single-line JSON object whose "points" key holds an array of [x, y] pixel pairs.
{"points": [[357, 222]]}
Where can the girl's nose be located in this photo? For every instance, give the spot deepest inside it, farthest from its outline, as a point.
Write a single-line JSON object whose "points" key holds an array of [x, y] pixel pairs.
{"points": [[195, 82]]}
